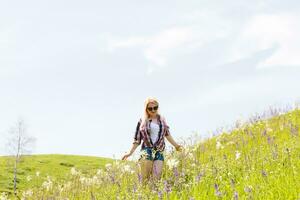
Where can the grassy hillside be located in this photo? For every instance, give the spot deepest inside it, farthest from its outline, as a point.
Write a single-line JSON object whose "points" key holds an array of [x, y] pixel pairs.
{"points": [[257, 160], [34, 169]]}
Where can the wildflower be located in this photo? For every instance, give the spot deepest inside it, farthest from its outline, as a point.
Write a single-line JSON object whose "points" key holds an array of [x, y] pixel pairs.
{"points": [[37, 173], [28, 178], [172, 163], [126, 168], [82, 180], [190, 155], [219, 145], [108, 166], [3, 196], [281, 127], [99, 172], [60, 188], [294, 130], [47, 184], [248, 189], [167, 187], [95, 180], [235, 195], [140, 177], [159, 193], [269, 130], [217, 192], [263, 173], [232, 182], [74, 172], [269, 140], [198, 177], [176, 172], [237, 155], [27, 193]]}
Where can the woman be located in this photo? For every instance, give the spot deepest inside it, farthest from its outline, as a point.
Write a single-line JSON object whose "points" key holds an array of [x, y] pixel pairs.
{"points": [[152, 129]]}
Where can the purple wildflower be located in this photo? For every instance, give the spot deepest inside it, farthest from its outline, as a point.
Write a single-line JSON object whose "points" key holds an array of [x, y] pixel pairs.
{"points": [[264, 173], [198, 177], [159, 193], [269, 140], [264, 133], [217, 192], [247, 189], [294, 130], [176, 172], [235, 195], [140, 178], [167, 187], [232, 183]]}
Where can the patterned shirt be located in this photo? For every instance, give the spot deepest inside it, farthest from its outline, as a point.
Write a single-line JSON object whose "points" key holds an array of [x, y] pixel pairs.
{"points": [[143, 133]]}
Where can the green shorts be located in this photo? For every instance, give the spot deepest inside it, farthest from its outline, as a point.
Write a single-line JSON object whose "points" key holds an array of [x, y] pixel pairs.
{"points": [[150, 154]]}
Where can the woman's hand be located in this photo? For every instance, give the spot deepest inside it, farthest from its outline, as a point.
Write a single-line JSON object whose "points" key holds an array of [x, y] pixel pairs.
{"points": [[178, 147], [126, 156]]}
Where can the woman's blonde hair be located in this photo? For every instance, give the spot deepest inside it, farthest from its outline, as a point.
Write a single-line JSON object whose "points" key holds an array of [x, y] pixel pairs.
{"points": [[147, 101]]}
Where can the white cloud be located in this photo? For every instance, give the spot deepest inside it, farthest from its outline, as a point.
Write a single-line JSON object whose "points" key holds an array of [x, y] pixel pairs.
{"points": [[165, 41], [267, 31], [156, 48]]}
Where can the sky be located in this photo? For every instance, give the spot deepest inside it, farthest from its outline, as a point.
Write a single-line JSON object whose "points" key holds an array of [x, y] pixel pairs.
{"points": [[78, 72]]}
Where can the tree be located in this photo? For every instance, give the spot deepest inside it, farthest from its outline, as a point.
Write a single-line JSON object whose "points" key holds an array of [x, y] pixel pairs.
{"points": [[18, 144]]}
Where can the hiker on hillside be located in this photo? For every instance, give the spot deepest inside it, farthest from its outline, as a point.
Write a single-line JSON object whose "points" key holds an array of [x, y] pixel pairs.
{"points": [[152, 129]]}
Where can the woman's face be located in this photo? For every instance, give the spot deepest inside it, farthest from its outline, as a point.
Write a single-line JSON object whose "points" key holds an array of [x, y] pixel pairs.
{"points": [[152, 109]]}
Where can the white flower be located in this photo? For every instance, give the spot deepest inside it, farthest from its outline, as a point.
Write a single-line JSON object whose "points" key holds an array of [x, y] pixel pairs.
{"points": [[99, 172], [269, 130], [47, 184], [172, 163], [237, 155], [82, 180], [219, 145], [27, 193], [108, 166], [73, 171], [87, 181], [37, 173], [28, 178], [126, 168], [95, 179], [190, 155], [3, 196], [230, 143]]}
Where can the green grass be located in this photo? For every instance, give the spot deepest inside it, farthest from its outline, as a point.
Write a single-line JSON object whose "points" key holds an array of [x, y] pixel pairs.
{"points": [[257, 160], [52, 165]]}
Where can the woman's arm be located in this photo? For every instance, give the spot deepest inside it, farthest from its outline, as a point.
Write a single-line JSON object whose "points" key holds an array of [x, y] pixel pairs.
{"points": [[172, 141], [133, 148]]}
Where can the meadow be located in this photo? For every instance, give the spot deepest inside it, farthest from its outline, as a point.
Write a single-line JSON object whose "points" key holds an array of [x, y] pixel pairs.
{"points": [[257, 159]]}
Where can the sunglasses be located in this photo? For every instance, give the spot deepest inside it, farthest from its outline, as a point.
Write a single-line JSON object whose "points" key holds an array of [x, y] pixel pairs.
{"points": [[152, 108]]}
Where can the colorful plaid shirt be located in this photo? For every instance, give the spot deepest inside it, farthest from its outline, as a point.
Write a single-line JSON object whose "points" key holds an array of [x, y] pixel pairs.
{"points": [[143, 133]]}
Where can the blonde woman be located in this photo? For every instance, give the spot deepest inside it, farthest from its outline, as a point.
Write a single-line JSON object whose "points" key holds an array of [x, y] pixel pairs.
{"points": [[151, 129]]}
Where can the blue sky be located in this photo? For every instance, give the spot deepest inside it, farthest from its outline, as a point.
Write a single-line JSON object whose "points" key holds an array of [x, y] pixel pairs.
{"points": [[78, 72]]}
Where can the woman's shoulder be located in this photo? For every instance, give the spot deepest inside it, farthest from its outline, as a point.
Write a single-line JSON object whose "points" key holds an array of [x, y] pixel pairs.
{"points": [[163, 119]]}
